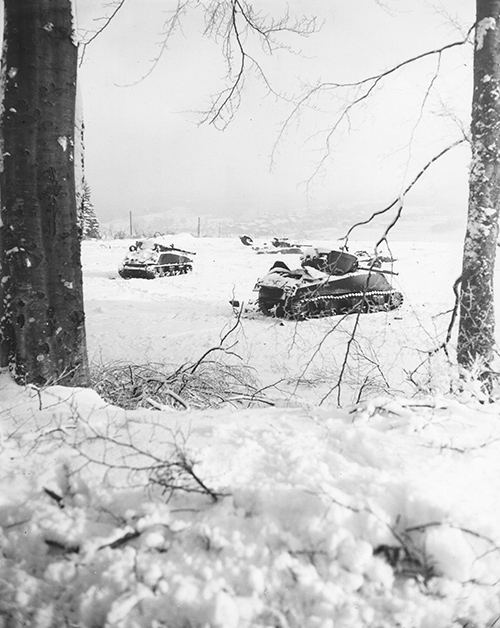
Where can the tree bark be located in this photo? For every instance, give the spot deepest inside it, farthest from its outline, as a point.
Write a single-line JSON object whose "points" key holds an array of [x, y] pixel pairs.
{"points": [[42, 330], [476, 336]]}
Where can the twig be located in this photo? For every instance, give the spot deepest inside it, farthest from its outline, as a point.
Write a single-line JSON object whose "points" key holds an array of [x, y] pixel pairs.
{"points": [[435, 524], [122, 540], [220, 346], [338, 383], [251, 399], [107, 22], [372, 81], [170, 393], [53, 495], [397, 200]]}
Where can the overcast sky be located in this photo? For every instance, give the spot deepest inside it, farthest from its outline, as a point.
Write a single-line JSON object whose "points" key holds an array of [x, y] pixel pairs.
{"points": [[146, 151]]}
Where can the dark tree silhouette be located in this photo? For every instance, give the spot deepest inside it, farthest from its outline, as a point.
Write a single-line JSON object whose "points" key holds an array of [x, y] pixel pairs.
{"points": [[42, 330], [476, 337]]}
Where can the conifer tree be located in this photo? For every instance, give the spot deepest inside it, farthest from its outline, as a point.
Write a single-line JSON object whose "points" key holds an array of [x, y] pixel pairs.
{"points": [[87, 219]]}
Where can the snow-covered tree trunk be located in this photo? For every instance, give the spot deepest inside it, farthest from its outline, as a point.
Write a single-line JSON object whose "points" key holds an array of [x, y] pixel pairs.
{"points": [[477, 317], [79, 154], [42, 329]]}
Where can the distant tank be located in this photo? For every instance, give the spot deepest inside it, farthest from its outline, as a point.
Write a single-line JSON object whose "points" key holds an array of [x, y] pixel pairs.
{"points": [[276, 246], [150, 260], [246, 240], [340, 286]]}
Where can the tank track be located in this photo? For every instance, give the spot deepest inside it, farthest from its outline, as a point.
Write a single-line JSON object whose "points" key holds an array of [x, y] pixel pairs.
{"points": [[179, 269], [317, 306], [154, 273]]}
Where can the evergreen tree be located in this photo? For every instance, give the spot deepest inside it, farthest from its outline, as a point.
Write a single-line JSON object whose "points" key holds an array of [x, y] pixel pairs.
{"points": [[87, 219]]}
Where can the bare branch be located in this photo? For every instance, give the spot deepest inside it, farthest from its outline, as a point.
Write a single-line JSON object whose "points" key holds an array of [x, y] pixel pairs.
{"points": [[433, 524], [220, 346], [106, 23], [231, 23], [316, 351], [456, 291], [243, 19], [169, 27], [226, 96], [397, 200], [371, 82], [421, 112], [338, 383]]}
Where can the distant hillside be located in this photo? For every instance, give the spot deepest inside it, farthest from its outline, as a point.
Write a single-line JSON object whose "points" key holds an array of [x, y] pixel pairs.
{"points": [[421, 223]]}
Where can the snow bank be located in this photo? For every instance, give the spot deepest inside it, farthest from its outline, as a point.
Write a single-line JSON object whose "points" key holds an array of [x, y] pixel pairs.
{"points": [[384, 515]]}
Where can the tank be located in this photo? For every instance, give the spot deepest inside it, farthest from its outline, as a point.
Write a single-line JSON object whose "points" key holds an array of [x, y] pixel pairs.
{"points": [[276, 246], [150, 260], [340, 286]]}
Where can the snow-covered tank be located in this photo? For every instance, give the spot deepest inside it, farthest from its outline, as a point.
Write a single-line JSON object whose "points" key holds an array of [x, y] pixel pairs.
{"points": [[149, 259], [339, 287], [337, 262]]}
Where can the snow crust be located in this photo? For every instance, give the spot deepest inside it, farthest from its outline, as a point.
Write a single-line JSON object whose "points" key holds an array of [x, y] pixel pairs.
{"points": [[313, 501], [74, 22], [482, 27], [381, 514], [62, 140]]}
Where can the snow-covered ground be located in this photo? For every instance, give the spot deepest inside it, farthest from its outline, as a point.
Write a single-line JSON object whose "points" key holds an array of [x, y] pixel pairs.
{"points": [[379, 515], [176, 319]]}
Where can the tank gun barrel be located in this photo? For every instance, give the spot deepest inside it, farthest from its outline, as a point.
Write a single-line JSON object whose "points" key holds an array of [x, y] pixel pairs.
{"points": [[176, 248], [183, 251], [377, 270]]}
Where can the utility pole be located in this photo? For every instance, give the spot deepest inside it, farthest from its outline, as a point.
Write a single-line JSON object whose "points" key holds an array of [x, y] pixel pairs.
{"points": [[199, 226], [130, 223]]}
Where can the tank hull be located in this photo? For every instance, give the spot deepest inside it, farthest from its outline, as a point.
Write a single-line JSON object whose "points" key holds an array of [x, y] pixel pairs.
{"points": [[297, 297]]}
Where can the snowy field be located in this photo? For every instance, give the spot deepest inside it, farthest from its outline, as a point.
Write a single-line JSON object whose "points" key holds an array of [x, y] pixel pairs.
{"points": [[176, 319], [382, 514]]}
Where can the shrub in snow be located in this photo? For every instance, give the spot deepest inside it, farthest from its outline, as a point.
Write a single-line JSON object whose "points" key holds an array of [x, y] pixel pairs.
{"points": [[209, 384], [439, 375]]}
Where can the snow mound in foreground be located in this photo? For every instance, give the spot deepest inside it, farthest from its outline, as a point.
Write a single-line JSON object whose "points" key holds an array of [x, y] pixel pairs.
{"points": [[379, 517]]}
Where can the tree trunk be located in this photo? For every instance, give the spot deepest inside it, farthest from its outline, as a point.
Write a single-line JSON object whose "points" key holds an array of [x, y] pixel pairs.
{"points": [[42, 329], [477, 317]]}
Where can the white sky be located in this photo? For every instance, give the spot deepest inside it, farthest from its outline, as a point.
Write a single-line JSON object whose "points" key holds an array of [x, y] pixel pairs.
{"points": [[146, 152]]}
